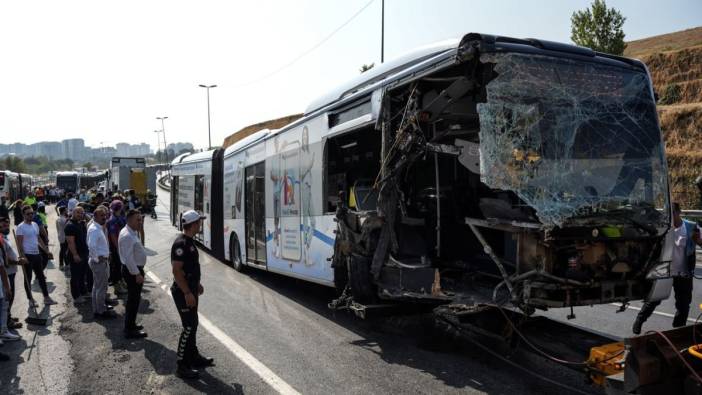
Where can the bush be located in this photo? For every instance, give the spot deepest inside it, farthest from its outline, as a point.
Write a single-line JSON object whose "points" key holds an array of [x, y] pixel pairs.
{"points": [[671, 95]]}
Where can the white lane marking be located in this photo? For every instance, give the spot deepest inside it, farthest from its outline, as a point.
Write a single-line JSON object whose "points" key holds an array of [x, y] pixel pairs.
{"points": [[655, 312], [153, 277], [267, 375], [249, 360]]}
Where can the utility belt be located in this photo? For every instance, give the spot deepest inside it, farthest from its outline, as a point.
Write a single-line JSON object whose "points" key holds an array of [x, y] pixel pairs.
{"points": [[193, 285], [682, 275]]}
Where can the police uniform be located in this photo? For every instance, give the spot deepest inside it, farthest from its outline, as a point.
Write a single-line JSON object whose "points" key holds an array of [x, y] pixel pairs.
{"points": [[185, 251]]}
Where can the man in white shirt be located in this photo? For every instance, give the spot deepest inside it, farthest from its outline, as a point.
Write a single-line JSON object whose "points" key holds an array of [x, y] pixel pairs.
{"points": [[686, 236], [29, 243], [133, 258], [99, 262]]}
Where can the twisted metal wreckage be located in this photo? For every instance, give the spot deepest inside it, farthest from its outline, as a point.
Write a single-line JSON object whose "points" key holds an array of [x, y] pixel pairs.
{"points": [[521, 172]]}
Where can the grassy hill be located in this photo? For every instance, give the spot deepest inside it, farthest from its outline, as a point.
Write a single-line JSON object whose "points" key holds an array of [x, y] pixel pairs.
{"points": [[664, 43], [675, 63]]}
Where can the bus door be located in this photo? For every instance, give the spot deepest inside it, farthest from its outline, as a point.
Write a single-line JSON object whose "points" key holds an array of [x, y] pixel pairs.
{"points": [[255, 213], [199, 198]]}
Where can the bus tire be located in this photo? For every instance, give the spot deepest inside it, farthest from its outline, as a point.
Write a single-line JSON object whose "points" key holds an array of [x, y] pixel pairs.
{"points": [[235, 254], [360, 280]]}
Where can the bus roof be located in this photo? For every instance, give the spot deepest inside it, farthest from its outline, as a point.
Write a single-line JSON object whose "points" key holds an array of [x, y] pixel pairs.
{"points": [[246, 141], [380, 72], [196, 157], [66, 173], [422, 57]]}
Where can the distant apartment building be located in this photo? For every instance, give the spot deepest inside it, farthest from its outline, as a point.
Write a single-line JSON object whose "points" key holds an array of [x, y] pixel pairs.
{"points": [[126, 149], [101, 153], [49, 149], [74, 149]]}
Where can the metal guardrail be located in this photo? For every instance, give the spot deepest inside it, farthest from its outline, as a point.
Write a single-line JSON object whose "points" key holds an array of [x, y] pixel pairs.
{"points": [[692, 214], [161, 183]]}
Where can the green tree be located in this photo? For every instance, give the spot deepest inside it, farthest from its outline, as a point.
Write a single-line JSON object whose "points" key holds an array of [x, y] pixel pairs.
{"points": [[366, 67], [599, 28], [14, 163]]}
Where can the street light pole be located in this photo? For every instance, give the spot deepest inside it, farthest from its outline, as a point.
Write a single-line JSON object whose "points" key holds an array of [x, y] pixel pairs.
{"points": [[163, 130], [158, 143], [209, 132]]}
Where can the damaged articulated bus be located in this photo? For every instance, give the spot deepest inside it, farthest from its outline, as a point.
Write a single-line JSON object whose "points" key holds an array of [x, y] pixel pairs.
{"points": [[511, 171], [486, 170]]}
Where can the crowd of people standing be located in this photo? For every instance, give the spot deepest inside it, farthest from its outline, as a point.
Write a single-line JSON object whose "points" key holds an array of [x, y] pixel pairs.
{"points": [[101, 244], [87, 226]]}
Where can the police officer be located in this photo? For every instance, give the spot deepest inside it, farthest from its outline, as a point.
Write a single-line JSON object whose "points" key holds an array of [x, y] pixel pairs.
{"points": [[186, 290]]}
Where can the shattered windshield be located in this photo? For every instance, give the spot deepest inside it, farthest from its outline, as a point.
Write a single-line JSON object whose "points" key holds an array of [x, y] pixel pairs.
{"points": [[572, 139]]}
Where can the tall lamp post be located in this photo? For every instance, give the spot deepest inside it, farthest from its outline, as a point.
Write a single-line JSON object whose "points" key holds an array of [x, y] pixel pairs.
{"points": [[163, 130], [209, 132], [158, 142]]}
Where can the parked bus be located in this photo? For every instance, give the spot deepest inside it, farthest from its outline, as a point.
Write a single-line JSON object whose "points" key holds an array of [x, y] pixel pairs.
{"points": [[493, 169], [69, 181], [91, 180], [10, 186], [27, 184]]}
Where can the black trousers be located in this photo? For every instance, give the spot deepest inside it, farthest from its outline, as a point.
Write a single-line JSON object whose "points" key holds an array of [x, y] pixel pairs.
{"points": [[133, 298], [78, 270], [187, 344], [682, 286], [62, 253], [36, 265], [115, 267]]}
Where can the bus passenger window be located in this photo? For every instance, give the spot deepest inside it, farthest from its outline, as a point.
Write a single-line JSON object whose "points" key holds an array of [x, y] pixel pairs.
{"points": [[353, 162]]}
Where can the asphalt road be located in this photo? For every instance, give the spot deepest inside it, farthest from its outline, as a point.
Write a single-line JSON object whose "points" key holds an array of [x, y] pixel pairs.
{"points": [[269, 334]]}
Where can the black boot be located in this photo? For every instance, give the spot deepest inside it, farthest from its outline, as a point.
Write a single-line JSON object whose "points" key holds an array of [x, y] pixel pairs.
{"points": [[680, 318], [636, 328], [184, 371], [201, 362]]}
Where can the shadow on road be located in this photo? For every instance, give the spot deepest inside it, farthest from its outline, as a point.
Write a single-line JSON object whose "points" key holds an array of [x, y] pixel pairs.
{"points": [[161, 358], [416, 342]]}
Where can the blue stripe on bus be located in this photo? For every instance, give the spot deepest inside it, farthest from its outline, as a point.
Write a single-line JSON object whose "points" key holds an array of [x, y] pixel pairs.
{"points": [[324, 238], [321, 236]]}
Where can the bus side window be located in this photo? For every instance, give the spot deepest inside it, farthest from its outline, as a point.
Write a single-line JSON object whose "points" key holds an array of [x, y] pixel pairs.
{"points": [[352, 158]]}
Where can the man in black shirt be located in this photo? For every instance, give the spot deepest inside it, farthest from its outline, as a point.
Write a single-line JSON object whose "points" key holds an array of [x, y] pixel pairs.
{"points": [[76, 233], [186, 290], [3, 208]]}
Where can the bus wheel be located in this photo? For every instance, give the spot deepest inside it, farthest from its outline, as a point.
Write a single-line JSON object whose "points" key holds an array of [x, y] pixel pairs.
{"points": [[235, 255], [360, 280]]}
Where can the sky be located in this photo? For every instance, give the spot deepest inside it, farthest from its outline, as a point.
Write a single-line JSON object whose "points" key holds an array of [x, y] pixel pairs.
{"points": [[103, 71]]}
